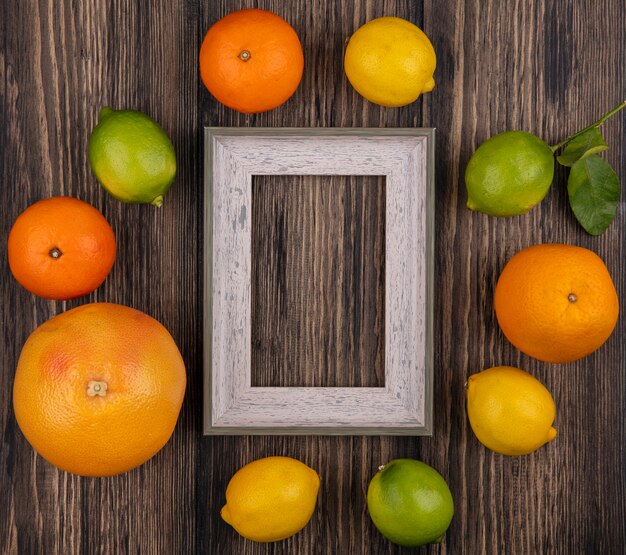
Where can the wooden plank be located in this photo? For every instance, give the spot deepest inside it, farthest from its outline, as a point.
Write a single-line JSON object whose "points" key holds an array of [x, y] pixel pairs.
{"points": [[61, 62], [324, 99], [549, 68], [318, 321], [542, 68]]}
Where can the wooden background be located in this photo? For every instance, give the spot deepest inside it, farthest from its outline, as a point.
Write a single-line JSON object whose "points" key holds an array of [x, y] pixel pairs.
{"points": [[318, 287], [547, 67]]}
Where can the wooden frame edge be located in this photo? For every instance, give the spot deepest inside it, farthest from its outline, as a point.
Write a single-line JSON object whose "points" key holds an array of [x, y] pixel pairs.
{"points": [[427, 428]]}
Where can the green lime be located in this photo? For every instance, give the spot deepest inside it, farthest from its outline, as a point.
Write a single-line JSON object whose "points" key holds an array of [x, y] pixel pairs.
{"points": [[509, 174], [410, 503], [131, 156]]}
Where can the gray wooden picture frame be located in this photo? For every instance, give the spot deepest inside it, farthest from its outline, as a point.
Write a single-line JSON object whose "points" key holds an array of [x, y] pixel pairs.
{"points": [[404, 405]]}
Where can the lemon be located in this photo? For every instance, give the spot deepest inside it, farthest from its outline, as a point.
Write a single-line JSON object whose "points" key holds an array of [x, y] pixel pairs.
{"points": [[410, 503], [131, 156], [390, 61], [509, 174], [510, 411], [271, 499]]}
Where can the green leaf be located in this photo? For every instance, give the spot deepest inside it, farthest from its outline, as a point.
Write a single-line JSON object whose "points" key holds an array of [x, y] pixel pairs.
{"points": [[594, 192], [581, 147]]}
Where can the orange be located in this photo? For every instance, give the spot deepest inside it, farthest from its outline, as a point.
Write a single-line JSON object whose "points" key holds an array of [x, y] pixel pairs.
{"points": [[61, 248], [98, 389], [556, 302], [251, 60]]}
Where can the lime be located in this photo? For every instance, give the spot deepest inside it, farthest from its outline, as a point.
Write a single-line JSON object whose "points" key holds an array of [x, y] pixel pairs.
{"points": [[410, 503], [131, 156], [509, 174], [510, 411]]}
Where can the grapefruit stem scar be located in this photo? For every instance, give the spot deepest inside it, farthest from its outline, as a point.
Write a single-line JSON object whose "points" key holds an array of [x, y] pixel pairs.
{"points": [[97, 388]]}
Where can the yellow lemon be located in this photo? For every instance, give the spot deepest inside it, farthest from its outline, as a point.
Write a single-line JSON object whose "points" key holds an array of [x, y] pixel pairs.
{"points": [[271, 499], [510, 411], [390, 61]]}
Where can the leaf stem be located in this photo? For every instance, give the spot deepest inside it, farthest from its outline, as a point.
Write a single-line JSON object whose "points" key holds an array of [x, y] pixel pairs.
{"points": [[598, 123]]}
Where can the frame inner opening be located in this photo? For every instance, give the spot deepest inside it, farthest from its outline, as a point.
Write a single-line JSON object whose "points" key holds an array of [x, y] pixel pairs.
{"points": [[318, 281]]}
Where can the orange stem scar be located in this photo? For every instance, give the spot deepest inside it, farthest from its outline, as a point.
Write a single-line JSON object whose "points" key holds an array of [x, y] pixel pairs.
{"points": [[96, 388], [55, 252]]}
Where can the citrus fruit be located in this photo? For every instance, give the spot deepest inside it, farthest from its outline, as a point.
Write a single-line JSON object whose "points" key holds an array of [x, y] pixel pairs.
{"points": [[271, 499], [509, 174], [61, 248], [251, 60], [556, 302], [510, 411], [390, 61], [131, 156], [410, 503], [98, 389]]}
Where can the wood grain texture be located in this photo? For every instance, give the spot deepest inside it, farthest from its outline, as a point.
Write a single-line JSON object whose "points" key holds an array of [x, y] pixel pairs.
{"points": [[318, 321], [547, 67]]}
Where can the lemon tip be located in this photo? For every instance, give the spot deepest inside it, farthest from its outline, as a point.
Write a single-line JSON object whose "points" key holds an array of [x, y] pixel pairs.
{"points": [[429, 86], [225, 514]]}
